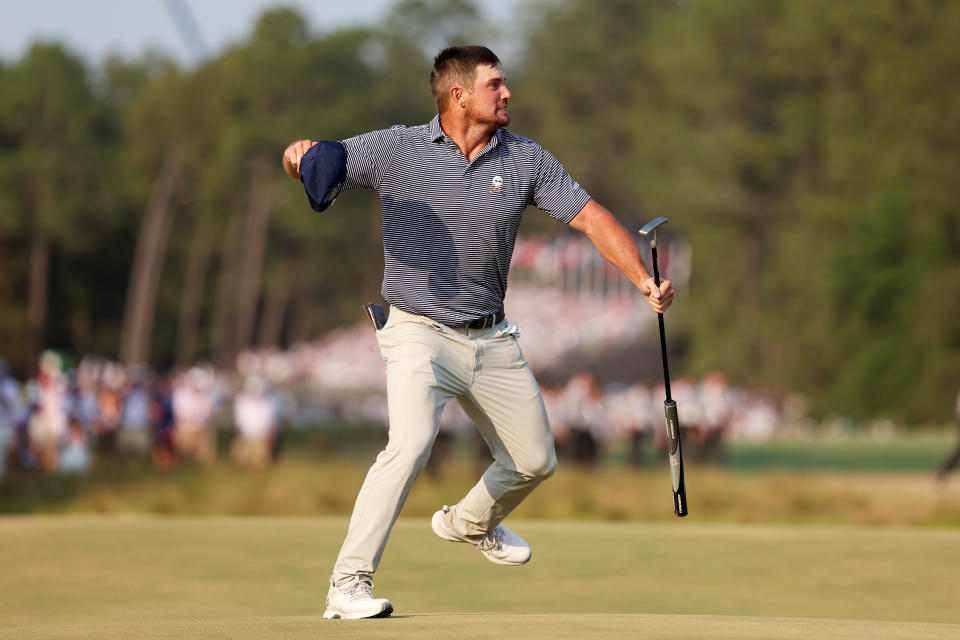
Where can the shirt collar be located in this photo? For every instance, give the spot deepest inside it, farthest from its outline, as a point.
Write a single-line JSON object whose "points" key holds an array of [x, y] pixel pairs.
{"points": [[437, 134], [436, 131]]}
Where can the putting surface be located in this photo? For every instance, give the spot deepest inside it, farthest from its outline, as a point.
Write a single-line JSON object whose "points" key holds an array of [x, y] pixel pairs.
{"points": [[156, 577], [509, 625]]}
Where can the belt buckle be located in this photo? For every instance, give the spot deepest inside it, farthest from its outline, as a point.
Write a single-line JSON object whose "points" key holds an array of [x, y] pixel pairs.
{"points": [[484, 322]]}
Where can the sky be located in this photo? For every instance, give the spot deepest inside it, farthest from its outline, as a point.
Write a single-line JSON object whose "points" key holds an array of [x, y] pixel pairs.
{"points": [[95, 28]]}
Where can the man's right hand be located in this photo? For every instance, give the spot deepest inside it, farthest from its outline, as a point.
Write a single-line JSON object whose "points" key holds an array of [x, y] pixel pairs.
{"points": [[293, 155]]}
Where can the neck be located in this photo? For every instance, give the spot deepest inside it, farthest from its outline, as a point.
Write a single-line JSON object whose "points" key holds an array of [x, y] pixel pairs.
{"points": [[470, 137]]}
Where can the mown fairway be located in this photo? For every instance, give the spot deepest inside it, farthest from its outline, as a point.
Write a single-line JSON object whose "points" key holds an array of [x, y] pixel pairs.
{"points": [[180, 577]]}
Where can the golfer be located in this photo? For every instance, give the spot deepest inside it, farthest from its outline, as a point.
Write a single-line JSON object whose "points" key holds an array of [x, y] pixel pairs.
{"points": [[453, 192]]}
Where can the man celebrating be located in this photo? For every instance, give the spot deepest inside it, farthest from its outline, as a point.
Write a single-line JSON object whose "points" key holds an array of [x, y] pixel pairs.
{"points": [[453, 192]]}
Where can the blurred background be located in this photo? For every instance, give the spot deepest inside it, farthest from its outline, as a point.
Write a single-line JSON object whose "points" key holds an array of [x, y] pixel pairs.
{"points": [[172, 313]]}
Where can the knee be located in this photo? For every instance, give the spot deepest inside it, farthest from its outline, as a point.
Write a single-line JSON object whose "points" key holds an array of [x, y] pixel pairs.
{"points": [[551, 466], [411, 453], [542, 467]]}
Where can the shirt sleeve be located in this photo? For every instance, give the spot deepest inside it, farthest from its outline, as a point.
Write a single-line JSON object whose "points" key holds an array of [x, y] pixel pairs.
{"points": [[368, 157], [555, 191]]}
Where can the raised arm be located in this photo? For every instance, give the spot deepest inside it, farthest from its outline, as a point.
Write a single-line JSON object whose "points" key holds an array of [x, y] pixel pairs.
{"points": [[616, 245], [320, 166]]}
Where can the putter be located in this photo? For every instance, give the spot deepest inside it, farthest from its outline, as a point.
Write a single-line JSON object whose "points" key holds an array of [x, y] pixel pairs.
{"points": [[674, 450]]}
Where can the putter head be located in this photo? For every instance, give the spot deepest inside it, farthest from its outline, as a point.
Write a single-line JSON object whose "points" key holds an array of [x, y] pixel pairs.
{"points": [[651, 227]]}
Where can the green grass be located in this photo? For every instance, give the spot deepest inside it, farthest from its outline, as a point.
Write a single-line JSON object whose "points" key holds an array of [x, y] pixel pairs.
{"points": [[185, 577], [572, 494], [917, 452], [328, 487], [817, 481]]}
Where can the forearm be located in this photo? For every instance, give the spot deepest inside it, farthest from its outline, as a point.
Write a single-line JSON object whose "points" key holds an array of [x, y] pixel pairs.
{"points": [[612, 241]]}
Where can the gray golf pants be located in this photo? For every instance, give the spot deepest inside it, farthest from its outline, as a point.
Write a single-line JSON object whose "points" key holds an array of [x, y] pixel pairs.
{"points": [[427, 365]]}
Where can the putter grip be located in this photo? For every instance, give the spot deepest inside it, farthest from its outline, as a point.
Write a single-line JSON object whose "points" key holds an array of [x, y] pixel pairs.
{"points": [[675, 452]]}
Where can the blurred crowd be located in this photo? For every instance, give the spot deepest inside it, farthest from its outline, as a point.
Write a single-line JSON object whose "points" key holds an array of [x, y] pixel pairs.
{"points": [[592, 423], [572, 263], [600, 310], [67, 417], [349, 359], [587, 418], [62, 419]]}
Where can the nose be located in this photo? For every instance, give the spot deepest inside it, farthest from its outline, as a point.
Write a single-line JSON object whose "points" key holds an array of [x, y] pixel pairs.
{"points": [[505, 93]]}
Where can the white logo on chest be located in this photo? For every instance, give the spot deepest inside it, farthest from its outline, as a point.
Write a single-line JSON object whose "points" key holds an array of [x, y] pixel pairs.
{"points": [[496, 184]]}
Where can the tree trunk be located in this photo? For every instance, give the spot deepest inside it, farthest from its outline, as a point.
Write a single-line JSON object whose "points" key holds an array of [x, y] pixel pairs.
{"points": [[222, 341], [37, 301], [275, 309], [195, 277], [299, 321], [148, 261], [254, 243]]}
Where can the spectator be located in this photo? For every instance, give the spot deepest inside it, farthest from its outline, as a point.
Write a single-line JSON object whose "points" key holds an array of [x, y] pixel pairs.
{"points": [[11, 414], [164, 453], [757, 420], [255, 417], [559, 417], [717, 410], [48, 421], [135, 437], [75, 454], [83, 400], [110, 408], [689, 411], [629, 412], [585, 407], [193, 404]]}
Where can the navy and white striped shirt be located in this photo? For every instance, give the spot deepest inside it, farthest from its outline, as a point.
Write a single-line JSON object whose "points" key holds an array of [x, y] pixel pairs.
{"points": [[449, 225]]}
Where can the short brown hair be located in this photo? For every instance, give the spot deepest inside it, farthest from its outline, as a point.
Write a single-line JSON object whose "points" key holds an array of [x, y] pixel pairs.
{"points": [[457, 66]]}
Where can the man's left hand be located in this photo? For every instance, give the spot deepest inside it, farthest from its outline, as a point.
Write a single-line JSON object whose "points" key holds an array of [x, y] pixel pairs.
{"points": [[660, 299], [292, 156]]}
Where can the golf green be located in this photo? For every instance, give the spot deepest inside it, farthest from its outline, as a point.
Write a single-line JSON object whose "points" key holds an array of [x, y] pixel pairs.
{"points": [[156, 577]]}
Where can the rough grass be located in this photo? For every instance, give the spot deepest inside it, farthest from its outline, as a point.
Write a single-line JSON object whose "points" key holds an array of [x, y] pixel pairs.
{"points": [[216, 577], [328, 487], [817, 481]]}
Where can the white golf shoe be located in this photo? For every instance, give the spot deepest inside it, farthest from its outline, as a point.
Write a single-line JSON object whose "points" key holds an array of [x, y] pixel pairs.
{"points": [[500, 546], [354, 600]]}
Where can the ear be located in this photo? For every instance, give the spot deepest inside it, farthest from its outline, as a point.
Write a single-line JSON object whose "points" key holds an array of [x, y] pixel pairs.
{"points": [[456, 95]]}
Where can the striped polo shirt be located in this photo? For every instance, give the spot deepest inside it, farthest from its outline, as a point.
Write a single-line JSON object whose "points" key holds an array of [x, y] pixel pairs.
{"points": [[449, 225]]}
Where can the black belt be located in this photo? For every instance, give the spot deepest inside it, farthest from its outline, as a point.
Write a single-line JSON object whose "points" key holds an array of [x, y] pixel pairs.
{"points": [[485, 322]]}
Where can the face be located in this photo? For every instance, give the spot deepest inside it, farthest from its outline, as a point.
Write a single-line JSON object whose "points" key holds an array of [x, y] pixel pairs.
{"points": [[487, 101]]}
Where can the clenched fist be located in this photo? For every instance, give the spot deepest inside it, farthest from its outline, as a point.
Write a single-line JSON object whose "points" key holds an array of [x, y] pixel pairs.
{"points": [[292, 156], [659, 297]]}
